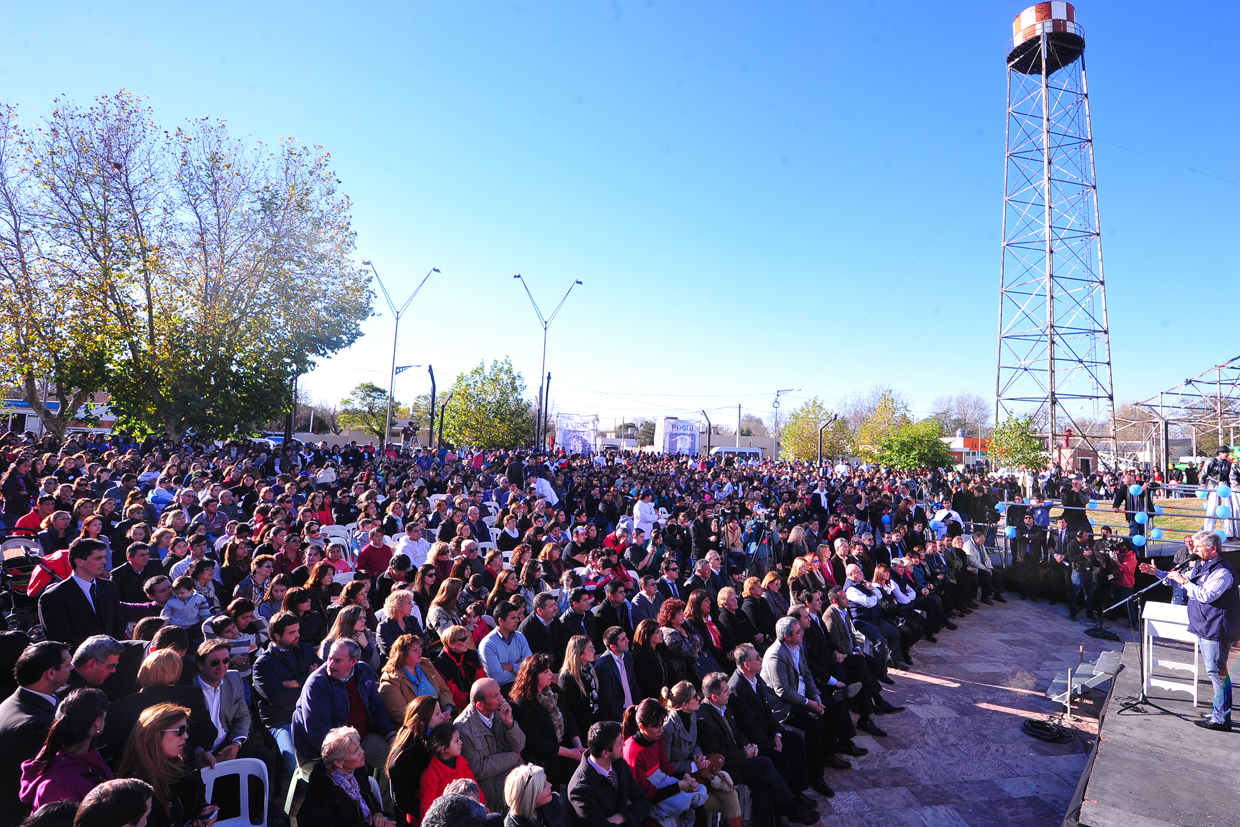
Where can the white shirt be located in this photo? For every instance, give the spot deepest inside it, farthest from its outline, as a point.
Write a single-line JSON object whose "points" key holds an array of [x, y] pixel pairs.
{"points": [[545, 491], [211, 696], [85, 585], [415, 550], [796, 660], [644, 516], [488, 720]]}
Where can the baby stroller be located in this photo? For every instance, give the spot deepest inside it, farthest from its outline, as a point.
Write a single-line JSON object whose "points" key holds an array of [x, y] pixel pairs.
{"points": [[20, 558]]}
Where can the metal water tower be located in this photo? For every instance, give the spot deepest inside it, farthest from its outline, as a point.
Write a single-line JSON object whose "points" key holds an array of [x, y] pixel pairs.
{"points": [[1054, 343]]}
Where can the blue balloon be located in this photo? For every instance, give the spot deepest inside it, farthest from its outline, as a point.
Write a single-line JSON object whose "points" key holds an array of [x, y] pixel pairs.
{"points": [[1201, 495], [1010, 531], [1156, 533], [1138, 541], [1092, 504], [1142, 518], [1222, 535], [886, 519], [1001, 507], [1223, 512], [1224, 490], [1158, 510], [1134, 490]]}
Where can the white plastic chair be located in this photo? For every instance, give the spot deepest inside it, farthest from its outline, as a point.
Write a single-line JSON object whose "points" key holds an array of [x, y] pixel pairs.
{"points": [[495, 532], [491, 504], [336, 532], [484, 547], [490, 521], [246, 768], [343, 577]]}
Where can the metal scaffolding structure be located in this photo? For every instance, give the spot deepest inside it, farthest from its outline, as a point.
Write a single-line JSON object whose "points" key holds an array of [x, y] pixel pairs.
{"points": [[1206, 403], [1054, 358]]}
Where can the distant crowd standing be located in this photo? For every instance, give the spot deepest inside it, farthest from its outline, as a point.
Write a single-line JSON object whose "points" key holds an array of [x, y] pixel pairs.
{"points": [[461, 637]]}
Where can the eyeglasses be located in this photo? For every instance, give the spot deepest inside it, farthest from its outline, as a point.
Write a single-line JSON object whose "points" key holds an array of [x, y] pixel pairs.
{"points": [[179, 731], [216, 661]]}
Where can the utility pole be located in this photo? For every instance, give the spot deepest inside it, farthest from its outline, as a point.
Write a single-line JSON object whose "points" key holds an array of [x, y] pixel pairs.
{"points": [[442, 409], [709, 428], [430, 432], [738, 426], [775, 405]]}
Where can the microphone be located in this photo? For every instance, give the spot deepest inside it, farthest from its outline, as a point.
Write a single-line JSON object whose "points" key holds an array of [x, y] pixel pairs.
{"points": [[1186, 565]]}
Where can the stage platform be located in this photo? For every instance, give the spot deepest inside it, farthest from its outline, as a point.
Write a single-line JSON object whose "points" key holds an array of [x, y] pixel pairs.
{"points": [[1157, 768]]}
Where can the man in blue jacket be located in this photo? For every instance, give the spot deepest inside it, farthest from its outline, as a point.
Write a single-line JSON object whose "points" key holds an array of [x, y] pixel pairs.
{"points": [[279, 675], [343, 692]]}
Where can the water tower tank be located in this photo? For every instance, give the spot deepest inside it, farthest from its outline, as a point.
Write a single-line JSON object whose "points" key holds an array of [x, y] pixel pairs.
{"points": [[1065, 38]]}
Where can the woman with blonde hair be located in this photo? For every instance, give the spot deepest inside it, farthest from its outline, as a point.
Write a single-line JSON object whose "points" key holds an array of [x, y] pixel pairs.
{"points": [[578, 683], [408, 676], [401, 616], [158, 678], [530, 799], [339, 794], [680, 744], [155, 754], [458, 664]]}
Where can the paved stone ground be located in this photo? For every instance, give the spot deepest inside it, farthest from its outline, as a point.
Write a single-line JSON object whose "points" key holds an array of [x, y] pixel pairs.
{"points": [[957, 757]]}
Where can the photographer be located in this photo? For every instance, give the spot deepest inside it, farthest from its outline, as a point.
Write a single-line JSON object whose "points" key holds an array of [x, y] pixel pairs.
{"points": [[1083, 560], [1116, 574]]}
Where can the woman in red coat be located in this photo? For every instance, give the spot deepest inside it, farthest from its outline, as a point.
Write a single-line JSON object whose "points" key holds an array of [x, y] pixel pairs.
{"points": [[446, 766]]}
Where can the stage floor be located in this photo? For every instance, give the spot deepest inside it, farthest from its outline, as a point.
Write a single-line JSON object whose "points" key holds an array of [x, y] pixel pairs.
{"points": [[1158, 769], [957, 756]]}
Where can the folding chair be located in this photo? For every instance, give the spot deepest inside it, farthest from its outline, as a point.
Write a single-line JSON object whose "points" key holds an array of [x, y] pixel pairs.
{"points": [[245, 769]]}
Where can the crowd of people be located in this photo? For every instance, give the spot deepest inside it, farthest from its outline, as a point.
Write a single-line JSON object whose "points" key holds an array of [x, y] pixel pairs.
{"points": [[470, 636]]}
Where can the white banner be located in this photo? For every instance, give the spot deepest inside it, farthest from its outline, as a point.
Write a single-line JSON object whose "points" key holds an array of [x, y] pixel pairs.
{"points": [[575, 433]]}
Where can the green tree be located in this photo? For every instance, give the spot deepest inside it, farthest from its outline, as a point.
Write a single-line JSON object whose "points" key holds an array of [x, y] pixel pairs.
{"points": [[1016, 444], [645, 433], [366, 410], [916, 445], [889, 415], [488, 408], [207, 271], [799, 438]]}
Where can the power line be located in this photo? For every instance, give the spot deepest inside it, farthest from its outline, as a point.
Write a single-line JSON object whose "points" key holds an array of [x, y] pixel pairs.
{"points": [[899, 278], [1172, 163]]}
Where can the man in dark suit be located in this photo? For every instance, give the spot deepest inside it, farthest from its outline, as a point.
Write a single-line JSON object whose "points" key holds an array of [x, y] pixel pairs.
{"points": [[85, 604], [138, 568], [578, 620], [603, 786], [617, 677], [537, 627], [752, 713], [612, 611], [668, 587], [1055, 571], [94, 662], [857, 670], [701, 579], [718, 733], [26, 716]]}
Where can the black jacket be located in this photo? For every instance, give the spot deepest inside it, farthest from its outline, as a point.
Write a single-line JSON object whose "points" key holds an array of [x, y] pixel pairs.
{"points": [[66, 615], [276, 701], [760, 615], [594, 799], [573, 702], [720, 734], [551, 814], [537, 634], [541, 746], [738, 625], [122, 719], [752, 712], [607, 615], [651, 674], [25, 719], [129, 582], [328, 805], [564, 628], [405, 773], [610, 691]]}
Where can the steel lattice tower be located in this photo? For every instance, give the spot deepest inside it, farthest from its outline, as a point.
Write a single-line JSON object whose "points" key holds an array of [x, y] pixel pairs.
{"points": [[1054, 345]]}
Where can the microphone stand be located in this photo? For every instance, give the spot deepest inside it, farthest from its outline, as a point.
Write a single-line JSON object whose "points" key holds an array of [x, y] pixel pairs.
{"points": [[1142, 698]]}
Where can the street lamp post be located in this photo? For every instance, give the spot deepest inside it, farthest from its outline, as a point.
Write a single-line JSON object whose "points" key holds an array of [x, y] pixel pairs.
{"points": [[387, 428], [539, 435], [775, 405]]}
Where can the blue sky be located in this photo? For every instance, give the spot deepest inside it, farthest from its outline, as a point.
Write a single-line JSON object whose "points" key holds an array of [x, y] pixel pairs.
{"points": [[737, 184]]}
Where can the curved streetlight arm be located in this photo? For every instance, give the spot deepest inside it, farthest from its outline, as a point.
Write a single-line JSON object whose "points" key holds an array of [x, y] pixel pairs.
{"points": [[556, 312]]}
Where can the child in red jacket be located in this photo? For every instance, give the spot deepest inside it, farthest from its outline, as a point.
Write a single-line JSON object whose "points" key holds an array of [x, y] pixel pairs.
{"points": [[447, 765]]}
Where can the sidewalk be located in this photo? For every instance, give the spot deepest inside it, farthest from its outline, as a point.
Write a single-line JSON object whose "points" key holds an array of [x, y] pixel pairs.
{"points": [[957, 757]]}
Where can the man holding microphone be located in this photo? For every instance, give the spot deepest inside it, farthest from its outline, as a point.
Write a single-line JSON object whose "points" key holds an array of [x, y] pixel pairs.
{"points": [[1213, 616]]}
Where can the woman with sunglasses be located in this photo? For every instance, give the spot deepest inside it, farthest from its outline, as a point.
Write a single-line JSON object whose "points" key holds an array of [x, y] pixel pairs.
{"points": [[155, 754], [158, 677]]}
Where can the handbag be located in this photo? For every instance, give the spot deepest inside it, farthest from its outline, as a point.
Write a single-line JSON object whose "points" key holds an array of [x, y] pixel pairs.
{"points": [[705, 664]]}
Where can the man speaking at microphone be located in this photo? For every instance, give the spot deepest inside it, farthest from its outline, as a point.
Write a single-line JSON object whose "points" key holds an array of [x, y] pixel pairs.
{"points": [[1213, 616]]}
